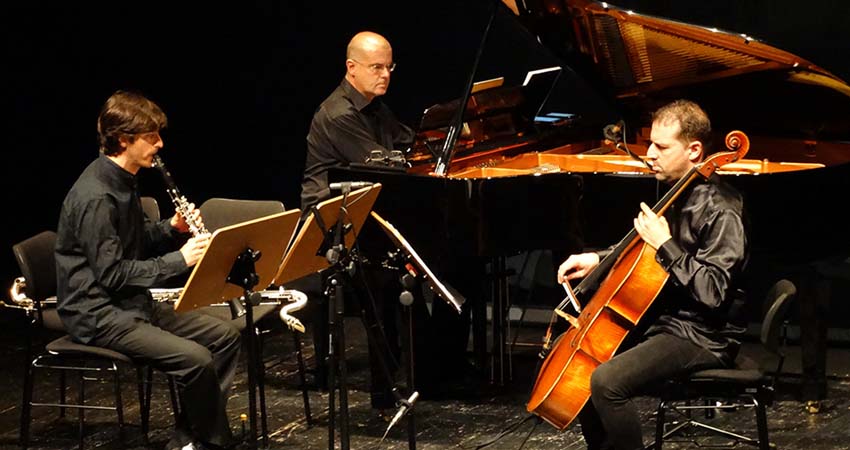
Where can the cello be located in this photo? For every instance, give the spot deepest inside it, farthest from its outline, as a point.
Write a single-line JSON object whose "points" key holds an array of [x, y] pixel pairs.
{"points": [[621, 289]]}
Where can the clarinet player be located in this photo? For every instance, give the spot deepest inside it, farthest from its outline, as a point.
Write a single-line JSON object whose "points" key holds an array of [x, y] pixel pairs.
{"points": [[106, 261]]}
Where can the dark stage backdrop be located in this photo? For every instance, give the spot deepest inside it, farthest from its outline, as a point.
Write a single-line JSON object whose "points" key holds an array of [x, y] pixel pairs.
{"points": [[240, 81]]}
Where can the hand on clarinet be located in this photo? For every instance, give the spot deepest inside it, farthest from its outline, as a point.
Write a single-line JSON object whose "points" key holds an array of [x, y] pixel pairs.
{"points": [[181, 223], [194, 248]]}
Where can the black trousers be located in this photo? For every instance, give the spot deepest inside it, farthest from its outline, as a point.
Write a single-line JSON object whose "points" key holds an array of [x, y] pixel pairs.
{"points": [[610, 419], [200, 351]]}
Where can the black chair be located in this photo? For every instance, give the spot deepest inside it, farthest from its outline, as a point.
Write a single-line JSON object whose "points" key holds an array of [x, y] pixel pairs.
{"points": [[220, 212], [151, 208], [36, 261], [748, 385]]}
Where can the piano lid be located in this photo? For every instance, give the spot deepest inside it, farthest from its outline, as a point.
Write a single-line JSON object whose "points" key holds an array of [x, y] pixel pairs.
{"points": [[644, 61]]}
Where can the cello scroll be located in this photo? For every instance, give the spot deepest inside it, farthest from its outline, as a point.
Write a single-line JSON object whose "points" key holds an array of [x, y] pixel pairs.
{"points": [[737, 142]]}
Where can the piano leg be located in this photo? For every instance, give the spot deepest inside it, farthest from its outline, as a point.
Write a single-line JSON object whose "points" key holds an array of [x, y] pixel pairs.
{"points": [[479, 333], [500, 358], [813, 300], [816, 293]]}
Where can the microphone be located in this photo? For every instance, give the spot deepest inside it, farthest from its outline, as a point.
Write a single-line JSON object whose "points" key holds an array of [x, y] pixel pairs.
{"points": [[614, 132], [348, 185], [406, 404]]}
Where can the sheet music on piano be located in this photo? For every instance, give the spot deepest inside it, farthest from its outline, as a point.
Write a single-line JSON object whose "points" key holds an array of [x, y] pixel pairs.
{"points": [[538, 86], [479, 86]]}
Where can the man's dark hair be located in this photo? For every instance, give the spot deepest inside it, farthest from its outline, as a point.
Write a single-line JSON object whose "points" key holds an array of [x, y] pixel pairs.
{"points": [[127, 114], [694, 122]]}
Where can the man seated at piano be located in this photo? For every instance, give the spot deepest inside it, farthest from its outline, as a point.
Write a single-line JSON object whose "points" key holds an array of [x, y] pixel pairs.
{"points": [[348, 126], [353, 121], [108, 256], [702, 243]]}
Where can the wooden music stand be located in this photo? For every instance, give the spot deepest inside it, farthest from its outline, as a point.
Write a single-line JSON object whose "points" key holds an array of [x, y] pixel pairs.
{"points": [[402, 244], [240, 257], [324, 241], [307, 253], [208, 282]]}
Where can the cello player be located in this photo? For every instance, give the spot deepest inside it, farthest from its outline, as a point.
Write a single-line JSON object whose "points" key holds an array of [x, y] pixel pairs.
{"points": [[701, 242]]}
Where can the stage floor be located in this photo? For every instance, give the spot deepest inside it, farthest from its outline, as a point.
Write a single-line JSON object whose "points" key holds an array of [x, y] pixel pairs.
{"points": [[474, 416]]}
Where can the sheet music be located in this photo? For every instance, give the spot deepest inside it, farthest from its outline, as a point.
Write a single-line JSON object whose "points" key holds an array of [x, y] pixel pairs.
{"points": [[531, 74]]}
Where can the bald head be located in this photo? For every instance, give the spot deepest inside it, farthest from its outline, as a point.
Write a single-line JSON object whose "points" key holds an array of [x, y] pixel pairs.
{"points": [[365, 43], [368, 63]]}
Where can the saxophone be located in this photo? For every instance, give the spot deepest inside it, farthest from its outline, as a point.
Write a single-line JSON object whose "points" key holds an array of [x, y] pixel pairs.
{"points": [[297, 301], [18, 295], [196, 226]]}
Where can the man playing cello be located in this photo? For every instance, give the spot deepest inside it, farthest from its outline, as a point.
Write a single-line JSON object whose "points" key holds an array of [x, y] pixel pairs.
{"points": [[701, 242]]}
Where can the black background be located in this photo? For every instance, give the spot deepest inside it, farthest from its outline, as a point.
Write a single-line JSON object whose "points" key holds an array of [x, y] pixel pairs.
{"points": [[240, 81]]}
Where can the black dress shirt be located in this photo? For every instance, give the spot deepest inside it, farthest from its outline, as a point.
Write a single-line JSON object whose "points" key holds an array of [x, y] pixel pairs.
{"points": [[705, 259], [345, 129], [104, 252]]}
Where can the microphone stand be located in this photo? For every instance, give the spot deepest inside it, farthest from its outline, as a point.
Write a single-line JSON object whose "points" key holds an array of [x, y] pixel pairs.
{"points": [[615, 135], [377, 340], [337, 256], [397, 261]]}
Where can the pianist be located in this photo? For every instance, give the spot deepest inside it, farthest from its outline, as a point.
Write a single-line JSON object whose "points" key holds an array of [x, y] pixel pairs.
{"points": [[353, 121], [348, 125]]}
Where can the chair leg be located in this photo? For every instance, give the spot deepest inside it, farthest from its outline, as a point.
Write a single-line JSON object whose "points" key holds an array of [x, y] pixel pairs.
{"points": [[302, 376], [119, 404], [63, 388], [81, 400], [144, 406], [26, 405], [761, 422], [659, 424], [261, 385], [175, 397]]}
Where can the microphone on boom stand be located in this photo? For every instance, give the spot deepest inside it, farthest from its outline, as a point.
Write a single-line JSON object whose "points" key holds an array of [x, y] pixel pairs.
{"points": [[613, 134], [349, 185], [406, 405]]}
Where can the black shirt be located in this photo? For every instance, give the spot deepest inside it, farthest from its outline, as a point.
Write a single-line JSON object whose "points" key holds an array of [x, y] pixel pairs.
{"points": [[104, 252], [705, 260], [345, 129]]}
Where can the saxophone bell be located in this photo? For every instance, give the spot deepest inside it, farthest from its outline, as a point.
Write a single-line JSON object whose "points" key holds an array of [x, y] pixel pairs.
{"points": [[299, 300], [18, 295]]}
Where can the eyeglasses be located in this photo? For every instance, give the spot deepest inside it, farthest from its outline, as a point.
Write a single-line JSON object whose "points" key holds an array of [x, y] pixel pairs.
{"points": [[151, 137], [377, 68]]}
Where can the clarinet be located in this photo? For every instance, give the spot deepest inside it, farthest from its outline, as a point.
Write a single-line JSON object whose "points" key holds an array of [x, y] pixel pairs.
{"points": [[237, 309], [178, 199]]}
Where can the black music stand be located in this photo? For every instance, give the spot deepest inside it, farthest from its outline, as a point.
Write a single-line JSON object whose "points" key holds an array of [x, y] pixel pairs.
{"points": [[324, 241], [412, 268], [422, 269], [240, 257]]}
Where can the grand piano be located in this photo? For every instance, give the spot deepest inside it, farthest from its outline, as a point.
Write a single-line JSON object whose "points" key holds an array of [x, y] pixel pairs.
{"points": [[488, 178]]}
